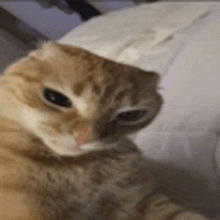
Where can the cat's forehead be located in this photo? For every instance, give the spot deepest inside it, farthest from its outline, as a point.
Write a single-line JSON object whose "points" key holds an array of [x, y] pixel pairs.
{"points": [[80, 70], [92, 83], [88, 80], [91, 92]]}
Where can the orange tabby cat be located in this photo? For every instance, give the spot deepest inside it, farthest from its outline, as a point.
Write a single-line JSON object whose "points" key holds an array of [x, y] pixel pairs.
{"points": [[63, 112]]}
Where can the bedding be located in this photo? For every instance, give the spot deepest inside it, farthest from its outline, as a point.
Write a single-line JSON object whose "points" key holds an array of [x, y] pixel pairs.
{"points": [[181, 41]]}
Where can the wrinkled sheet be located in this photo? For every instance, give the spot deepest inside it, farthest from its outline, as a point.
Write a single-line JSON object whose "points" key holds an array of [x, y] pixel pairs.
{"points": [[181, 41]]}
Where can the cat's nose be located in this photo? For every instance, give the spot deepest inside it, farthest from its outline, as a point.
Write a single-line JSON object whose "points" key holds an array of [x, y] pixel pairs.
{"points": [[81, 137]]}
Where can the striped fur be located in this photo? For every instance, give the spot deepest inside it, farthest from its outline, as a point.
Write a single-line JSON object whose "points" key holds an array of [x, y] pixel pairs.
{"points": [[51, 163]]}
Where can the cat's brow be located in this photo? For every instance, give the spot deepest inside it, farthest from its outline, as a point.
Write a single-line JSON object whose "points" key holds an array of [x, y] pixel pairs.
{"points": [[78, 89]]}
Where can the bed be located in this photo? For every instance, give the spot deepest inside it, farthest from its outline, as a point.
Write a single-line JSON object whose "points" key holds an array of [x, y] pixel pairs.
{"points": [[181, 41]]}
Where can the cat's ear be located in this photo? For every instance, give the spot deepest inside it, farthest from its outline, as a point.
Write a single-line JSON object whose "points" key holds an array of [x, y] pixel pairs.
{"points": [[149, 78], [144, 79], [46, 51]]}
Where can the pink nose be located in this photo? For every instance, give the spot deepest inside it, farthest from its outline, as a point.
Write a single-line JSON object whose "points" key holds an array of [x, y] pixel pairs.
{"points": [[81, 138]]}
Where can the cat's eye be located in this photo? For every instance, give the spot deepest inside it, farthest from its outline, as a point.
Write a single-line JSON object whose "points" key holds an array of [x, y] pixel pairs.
{"points": [[56, 98], [131, 116]]}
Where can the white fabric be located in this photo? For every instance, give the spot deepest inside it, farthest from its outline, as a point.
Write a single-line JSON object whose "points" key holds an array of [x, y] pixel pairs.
{"points": [[181, 41]]}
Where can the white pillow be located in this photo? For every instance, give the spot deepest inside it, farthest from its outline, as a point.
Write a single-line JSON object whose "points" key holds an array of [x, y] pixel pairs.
{"points": [[181, 41]]}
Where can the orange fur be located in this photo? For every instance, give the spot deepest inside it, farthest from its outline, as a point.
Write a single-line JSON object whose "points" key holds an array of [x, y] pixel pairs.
{"points": [[48, 169]]}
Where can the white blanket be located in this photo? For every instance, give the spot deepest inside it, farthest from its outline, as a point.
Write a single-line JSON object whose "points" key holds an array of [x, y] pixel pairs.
{"points": [[181, 41]]}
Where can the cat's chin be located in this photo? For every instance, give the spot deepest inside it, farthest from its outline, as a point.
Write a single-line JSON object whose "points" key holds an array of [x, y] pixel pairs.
{"points": [[92, 146], [98, 145], [71, 150]]}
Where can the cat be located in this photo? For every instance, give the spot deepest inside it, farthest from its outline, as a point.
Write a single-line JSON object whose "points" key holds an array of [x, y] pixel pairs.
{"points": [[64, 113]]}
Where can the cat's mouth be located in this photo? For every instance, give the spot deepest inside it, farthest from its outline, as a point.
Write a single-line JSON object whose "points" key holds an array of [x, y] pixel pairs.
{"points": [[91, 146], [77, 143], [99, 145], [69, 146], [85, 143]]}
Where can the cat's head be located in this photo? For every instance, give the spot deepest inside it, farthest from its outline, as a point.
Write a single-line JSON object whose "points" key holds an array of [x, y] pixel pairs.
{"points": [[71, 98]]}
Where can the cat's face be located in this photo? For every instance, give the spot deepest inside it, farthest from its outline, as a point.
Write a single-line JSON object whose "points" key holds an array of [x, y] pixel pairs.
{"points": [[71, 98]]}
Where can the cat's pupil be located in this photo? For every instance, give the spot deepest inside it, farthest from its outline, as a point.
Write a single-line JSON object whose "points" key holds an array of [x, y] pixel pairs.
{"points": [[131, 115], [56, 98]]}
